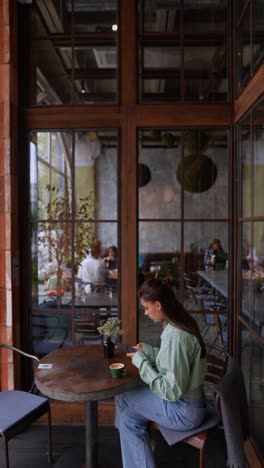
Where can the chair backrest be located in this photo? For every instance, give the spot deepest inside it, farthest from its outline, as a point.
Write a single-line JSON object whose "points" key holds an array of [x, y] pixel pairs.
{"points": [[228, 388], [33, 358], [217, 358], [232, 401]]}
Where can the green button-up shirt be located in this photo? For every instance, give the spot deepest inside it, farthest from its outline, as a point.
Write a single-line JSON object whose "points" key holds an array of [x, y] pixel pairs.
{"points": [[175, 369]]}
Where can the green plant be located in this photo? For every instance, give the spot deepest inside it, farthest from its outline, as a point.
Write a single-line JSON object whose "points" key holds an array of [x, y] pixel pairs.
{"points": [[85, 235], [197, 172], [168, 140], [110, 327], [55, 233], [155, 134], [195, 141]]}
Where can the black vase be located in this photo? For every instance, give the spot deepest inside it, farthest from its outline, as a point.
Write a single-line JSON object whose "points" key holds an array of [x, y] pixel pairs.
{"points": [[109, 347]]}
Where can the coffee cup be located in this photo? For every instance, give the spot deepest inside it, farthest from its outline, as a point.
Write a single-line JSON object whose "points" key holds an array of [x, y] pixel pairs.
{"points": [[117, 370]]}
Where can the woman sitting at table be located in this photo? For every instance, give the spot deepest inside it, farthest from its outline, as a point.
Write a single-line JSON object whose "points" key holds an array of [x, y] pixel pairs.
{"points": [[111, 263], [215, 255], [173, 374]]}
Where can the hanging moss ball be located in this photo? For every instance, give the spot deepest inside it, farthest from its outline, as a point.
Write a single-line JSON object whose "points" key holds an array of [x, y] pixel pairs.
{"points": [[168, 140], [197, 173], [144, 175], [195, 141], [155, 135]]}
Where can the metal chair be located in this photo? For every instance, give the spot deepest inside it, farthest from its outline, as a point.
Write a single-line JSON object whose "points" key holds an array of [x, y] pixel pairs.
{"points": [[49, 332], [19, 409], [223, 375], [215, 312]]}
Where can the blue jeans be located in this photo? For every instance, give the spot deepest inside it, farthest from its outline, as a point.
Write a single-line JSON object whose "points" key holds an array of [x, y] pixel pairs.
{"points": [[134, 410]]}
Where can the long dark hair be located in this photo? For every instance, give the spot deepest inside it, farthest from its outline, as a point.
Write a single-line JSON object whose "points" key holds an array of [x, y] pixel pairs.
{"points": [[154, 290], [217, 241]]}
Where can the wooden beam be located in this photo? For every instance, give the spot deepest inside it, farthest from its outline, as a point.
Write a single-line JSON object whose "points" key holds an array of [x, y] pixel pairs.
{"points": [[184, 114], [251, 94]]}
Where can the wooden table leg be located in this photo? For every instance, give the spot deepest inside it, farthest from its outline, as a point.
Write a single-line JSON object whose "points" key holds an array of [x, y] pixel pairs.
{"points": [[91, 435]]}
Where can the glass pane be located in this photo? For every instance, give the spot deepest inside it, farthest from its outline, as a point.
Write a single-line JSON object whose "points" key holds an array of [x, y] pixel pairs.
{"points": [[245, 167], [161, 16], [51, 253], [204, 174], [50, 331], [160, 72], [248, 257], [161, 57], [99, 17], [252, 355], [203, 53], [95, 73], [258, 135], [258, 27], [51, 17], [161, 89], [204, 240], [56, 17], [240, 6], [257, 389], [74, 256], [50, 72], [245, 355], [244, 51], [159, 193], [257, 262], [91, 276], [96, 260], [96, 281], [96, 172], [65, 69], [206, 76], [93, 90], [252, 265], [50, 179], [206, 278], [158, 256]]}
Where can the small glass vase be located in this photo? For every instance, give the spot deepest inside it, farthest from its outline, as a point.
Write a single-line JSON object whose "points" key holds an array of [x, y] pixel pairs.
{"points": [[109, 347]]}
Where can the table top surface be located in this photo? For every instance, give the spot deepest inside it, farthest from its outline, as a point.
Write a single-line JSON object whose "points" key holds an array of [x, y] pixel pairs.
{"points": [[251, 306], [97, 300], [93, 300], [81, 373], [217, 278]]}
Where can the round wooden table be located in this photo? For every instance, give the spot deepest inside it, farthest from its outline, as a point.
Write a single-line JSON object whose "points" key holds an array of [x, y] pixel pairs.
{"points": [[81, 373]]}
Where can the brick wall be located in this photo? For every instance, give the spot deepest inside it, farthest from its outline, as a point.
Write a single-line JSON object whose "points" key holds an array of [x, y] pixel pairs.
{"points": [[9, 252]]}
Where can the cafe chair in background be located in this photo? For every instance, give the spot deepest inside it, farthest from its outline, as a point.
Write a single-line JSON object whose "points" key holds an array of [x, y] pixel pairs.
{"points": [[86, 324], [49, 332], [224, 383], [213, 308], [19, 409], [208, 308]]}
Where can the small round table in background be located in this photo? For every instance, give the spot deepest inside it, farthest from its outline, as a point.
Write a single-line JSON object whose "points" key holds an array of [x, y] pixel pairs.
{"points": [[81, 373]]}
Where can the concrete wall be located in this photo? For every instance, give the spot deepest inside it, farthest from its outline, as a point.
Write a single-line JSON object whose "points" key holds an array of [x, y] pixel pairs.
{"points": [[161, 199]]}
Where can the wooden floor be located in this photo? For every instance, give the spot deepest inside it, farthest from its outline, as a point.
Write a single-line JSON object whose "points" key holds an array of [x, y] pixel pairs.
{"points": [[29, 450]]}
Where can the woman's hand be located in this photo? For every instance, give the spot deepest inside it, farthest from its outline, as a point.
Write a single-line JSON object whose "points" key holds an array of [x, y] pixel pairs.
{"points": [[137, 347]]}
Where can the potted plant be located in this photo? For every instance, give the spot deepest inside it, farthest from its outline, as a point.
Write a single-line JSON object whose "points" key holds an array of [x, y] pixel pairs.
{"points": [[109, 328]]}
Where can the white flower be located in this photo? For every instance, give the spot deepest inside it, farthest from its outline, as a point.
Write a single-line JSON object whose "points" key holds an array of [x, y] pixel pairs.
{"points": [[110, 327]]}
